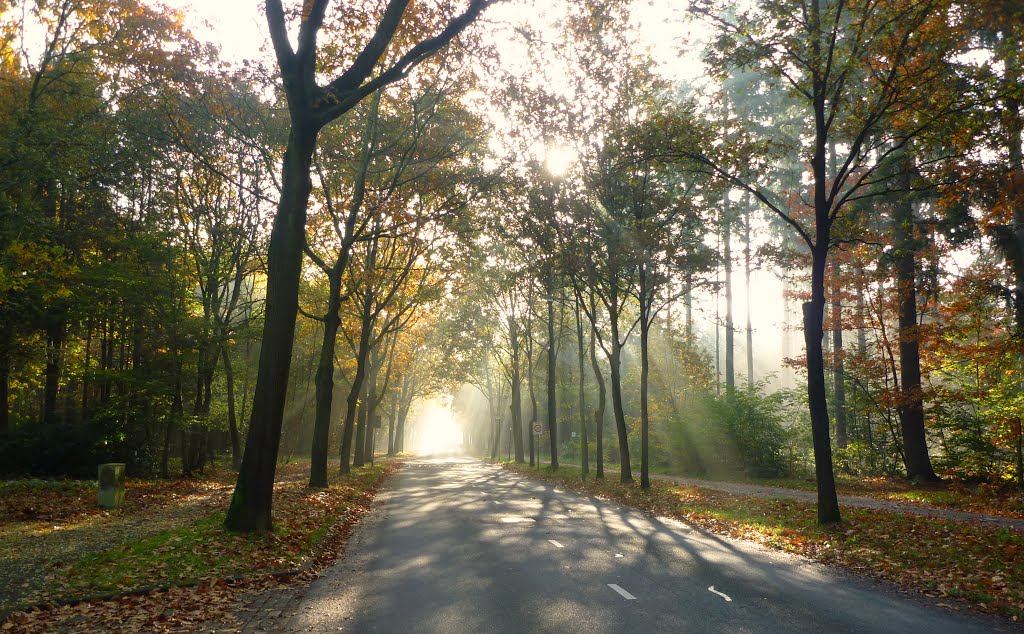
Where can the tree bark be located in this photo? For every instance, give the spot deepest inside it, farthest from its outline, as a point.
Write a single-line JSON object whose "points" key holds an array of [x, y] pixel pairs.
{"points": [[814, 314], [645, 326], [403, 413], [838, 364], [371, 404], [495, 420], [55, 331], [229, 378], [250, 509], [730, 326], [584, 441], [534, 448], [746, 277], [915, 441], [626, 469], [814, 310], [325, 385], [391, 432], [348, 426], [828, 502], [359, 457], [1013, 123], [552, 398], [599, 412], [517, 387], [310, 108]]}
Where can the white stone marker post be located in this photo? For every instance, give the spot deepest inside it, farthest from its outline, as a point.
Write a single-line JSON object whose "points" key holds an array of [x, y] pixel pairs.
{"points": [[110, 492]]}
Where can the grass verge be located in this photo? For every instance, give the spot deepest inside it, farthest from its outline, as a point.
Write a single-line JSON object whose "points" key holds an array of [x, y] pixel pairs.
{"points": [[310, 529], [968, 563]]}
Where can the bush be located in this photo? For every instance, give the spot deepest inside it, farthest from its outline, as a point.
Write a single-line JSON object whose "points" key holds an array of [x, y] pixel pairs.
{"points": [[73, 450], [740, 432]]}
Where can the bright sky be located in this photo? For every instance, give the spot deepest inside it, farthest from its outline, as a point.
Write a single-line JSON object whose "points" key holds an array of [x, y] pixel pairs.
{"points": [[237, 26]]}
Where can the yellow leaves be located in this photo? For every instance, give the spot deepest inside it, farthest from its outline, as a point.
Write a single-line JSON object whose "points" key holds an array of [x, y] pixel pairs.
{"points": [[307, 9]]}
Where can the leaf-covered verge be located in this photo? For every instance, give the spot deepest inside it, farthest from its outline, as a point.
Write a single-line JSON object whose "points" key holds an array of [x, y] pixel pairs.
{"points": [[194, 572], [990, 499], [969, 565]]}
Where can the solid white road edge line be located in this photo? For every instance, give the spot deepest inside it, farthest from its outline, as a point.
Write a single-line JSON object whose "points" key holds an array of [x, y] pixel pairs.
{"points": [[556, 544], [625, 595], [721, 594]]}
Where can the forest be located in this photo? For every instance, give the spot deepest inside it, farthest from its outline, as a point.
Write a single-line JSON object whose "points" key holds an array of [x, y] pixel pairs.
{"points": [[555, 224]]}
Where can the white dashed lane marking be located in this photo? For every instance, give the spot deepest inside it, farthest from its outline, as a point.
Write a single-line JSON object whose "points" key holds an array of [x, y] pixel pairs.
{"points": [[556, 544], [625, 595], [721, 594]]}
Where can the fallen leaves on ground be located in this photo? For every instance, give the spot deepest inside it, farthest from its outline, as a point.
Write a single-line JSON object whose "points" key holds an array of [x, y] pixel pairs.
{"points": [[1005, 499], [972, 564], [311, 527]]}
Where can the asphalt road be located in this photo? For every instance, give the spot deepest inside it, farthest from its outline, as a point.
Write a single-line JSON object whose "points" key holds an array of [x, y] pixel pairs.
{"points": [[456, 545]]}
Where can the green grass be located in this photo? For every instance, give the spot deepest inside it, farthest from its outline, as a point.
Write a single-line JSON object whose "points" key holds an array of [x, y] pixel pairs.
{"points": [[178, 557], [204, 550], [34, 485]]}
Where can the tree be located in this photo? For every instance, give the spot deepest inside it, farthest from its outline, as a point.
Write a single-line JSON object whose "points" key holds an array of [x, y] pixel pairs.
{"points": [[310, 107], [824, 53]]}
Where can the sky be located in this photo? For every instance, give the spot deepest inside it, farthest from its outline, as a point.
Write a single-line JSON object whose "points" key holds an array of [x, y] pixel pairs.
{"points": [[237, 26]]}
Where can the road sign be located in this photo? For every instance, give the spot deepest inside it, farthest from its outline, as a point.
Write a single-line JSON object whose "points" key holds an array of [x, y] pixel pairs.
{"points": [[536, 428]]}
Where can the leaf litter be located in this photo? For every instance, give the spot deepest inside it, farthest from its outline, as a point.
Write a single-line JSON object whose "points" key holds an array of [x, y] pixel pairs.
{"points": [[164, 562]]}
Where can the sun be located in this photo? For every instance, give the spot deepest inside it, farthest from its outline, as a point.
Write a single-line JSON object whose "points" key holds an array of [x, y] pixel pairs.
{"points": [[559, 159]]}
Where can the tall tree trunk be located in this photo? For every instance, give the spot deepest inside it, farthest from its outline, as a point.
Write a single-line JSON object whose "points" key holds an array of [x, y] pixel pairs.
{"points": [[106, 361], [688, 300], [730, 326], [177, 411], [371, 405], [251, 503], [862, 353], [391, 432], [517, 396], [599, 412], [325, 385], [814, 310], [584, 440], [86, 368], [403, 415], [915, 441], [495, 420], [645, 328], [534, 439], [552, 399], [362, 350], [229, 378], [1013, 123], [838, 363], [614, 360], [828, 503], [746, 280], [359, 456], [55, 331]]}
